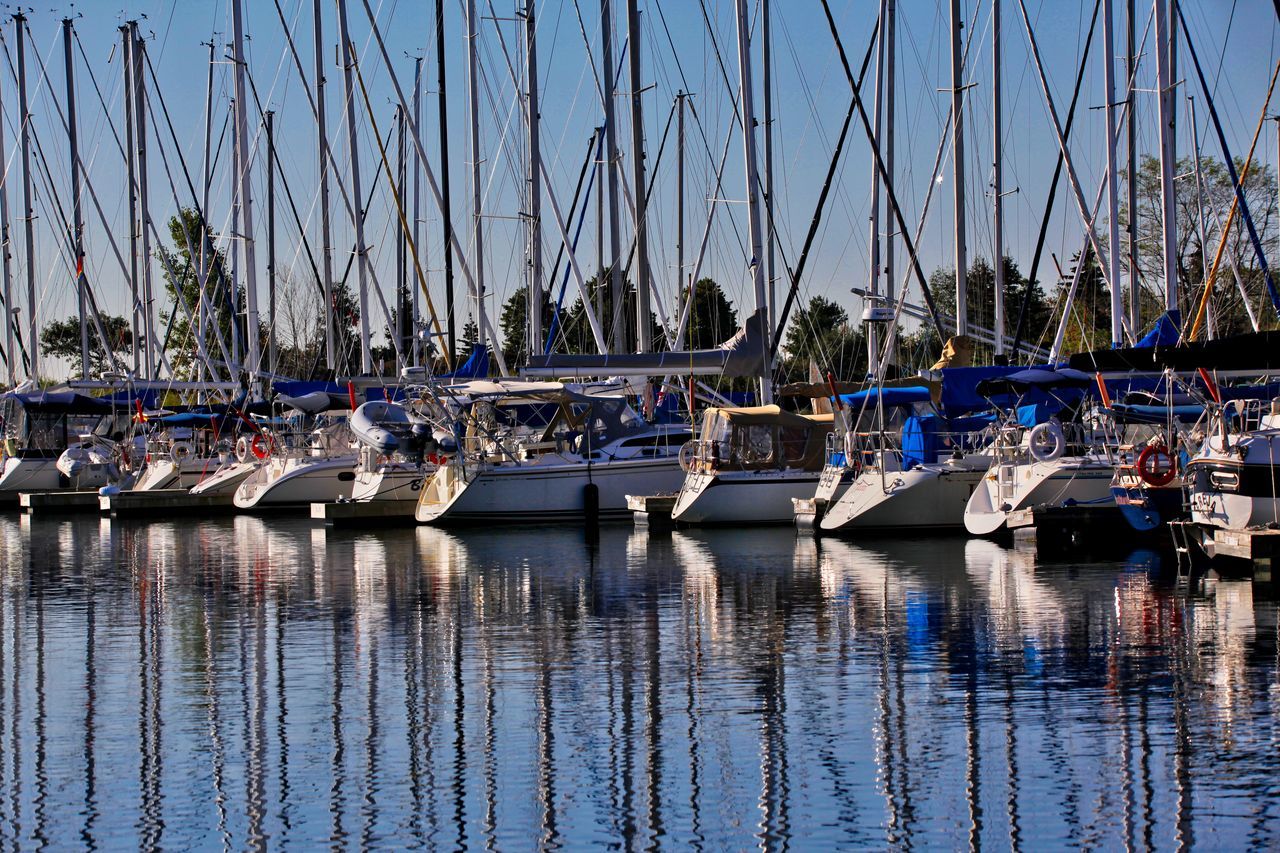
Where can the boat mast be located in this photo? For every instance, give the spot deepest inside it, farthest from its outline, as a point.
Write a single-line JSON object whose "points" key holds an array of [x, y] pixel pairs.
{"points": [[644, 341], [77, 221], [323, 156], [766, 82], [1113, 177], [446, 206], [1210, 324], [253, 353], [997, 183], [681, 285], [417, 211], [357, 215], [6, 258], [891, 61], [202, 301], [535, 182], [957, 154], [28, 213], [273, 351], [1167, 197], [873, 241], [477, 211], [617, 332], [747, 104], [404, 321], [144, 199], [1131, 153]]}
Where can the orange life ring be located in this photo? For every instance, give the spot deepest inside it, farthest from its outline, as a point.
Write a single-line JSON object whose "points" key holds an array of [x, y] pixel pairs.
{"points": [[1156, 465], [261, 445]]}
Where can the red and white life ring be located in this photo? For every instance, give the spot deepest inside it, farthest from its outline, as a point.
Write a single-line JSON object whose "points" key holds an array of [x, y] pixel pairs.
{"points": [[261, 446], [1156, 465]]}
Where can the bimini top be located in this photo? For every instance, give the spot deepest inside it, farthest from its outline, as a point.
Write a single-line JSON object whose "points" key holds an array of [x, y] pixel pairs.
{"points": [[764, 415]]}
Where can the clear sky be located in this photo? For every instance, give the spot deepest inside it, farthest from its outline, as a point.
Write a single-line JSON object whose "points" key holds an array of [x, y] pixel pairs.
{"points": [[680, 50]]}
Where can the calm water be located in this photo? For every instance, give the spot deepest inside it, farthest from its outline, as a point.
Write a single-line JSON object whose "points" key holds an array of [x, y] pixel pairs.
{"points": [[235, 682]]}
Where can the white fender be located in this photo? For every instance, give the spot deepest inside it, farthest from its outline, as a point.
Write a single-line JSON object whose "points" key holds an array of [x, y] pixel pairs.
{"points": [[182, 449]]}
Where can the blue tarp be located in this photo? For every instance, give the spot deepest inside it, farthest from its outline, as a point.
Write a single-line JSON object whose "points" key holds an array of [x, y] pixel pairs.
{"points": [[959, 388], [891, 396], [920, 440], [1031, 414], [1142, 414], [475, 367], [1164, 333]]}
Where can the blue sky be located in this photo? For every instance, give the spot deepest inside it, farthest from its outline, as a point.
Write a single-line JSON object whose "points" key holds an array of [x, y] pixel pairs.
{"points": [[1236, 41]]}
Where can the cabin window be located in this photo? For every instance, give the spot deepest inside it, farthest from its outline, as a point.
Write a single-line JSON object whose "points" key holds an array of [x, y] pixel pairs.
{"points": [[754, 445], [795, 440]]}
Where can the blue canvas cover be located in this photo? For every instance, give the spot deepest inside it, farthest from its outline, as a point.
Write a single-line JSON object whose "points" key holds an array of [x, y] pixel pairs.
{"points": [[475, 367], [907, 396], [920, 440], [1164, 333]]}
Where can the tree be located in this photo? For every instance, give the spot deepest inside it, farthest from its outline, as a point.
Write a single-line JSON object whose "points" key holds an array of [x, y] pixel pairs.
{"points": [[1194, 259], [182, 282], [514, 323], [712, 319], [981, 304], [61, 339], [821, 332]]}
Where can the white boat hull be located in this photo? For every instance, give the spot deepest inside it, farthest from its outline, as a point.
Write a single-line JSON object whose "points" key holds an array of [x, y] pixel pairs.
{"points": [[932, 496], [541, 493], [397, 481], [297, 482], [29, 474], [225, 480], [742, 497], [1006, 489]]}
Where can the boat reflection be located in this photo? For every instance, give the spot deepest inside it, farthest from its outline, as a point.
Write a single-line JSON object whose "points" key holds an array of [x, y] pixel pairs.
{"points": [[258, 680]]}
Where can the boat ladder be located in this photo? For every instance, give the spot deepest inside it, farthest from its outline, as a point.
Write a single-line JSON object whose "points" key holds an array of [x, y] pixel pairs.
{"points": [[1182, 531]]}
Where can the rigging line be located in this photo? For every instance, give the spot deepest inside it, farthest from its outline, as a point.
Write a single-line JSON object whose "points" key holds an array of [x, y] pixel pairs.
{"points": [[1236, 181], [47, 176], [404, 225], [816, 220], [592, 145], [284, 182], [885, 178], [1024, 310]]}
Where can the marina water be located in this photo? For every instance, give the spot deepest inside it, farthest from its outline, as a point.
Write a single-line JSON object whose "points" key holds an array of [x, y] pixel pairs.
{"points": [[246, 681]]}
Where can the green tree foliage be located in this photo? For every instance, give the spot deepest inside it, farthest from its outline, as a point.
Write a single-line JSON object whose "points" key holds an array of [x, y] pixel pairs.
{"points": [[182, 282], [821, 332], [61, 339], [514, 325], [712, 319], [981, 305]]}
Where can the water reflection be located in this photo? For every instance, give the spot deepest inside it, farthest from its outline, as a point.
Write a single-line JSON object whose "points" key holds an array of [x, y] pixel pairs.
{"points": [[262, 681]]}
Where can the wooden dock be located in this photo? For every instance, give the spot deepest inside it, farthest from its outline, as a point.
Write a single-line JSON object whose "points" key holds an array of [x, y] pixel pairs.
{"points": [[160, 503], [1078, 528], [59, 502], [357, 513], [652, 511]]}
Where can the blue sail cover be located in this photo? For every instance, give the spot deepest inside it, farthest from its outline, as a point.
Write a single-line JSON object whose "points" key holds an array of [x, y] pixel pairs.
{"points": [[475, 367], [890, 396], [1164, 333]]}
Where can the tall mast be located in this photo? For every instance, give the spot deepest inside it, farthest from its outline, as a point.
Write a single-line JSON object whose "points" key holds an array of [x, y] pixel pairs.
{"points": [[644, 341], [6, 258], [404, 318], [362, 257], [477, 212], [1167, 197], [416, 357], [766, 82], [1131, 153], [446, 206], [997, 183], [957, 153], [77, 222], [144, 198], [535, 182], [891, 61], [1113, 177], [873, 239], [617, 333], [752, 184], [272, 347], [126, 53], [681, 284], [326, 242], [206, 163], [253, 352], [28, 214]]}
